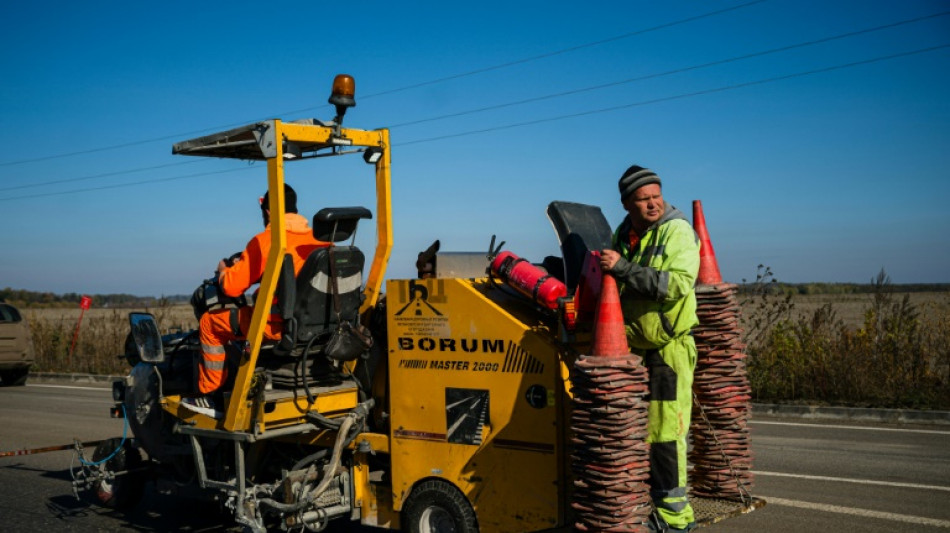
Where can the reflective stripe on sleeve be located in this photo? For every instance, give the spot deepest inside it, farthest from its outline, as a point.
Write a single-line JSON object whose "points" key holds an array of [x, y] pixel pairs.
{"points": [[211, 349], [213, 365], [663, 285]]}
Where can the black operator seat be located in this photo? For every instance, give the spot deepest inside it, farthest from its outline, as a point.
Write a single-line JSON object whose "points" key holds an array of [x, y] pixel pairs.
{"points": [[314, 314], [580, 229]]}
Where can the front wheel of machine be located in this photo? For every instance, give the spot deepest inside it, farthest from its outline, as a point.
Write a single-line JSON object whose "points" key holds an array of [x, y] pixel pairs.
{"points": [[125, 490], [438, 507]]}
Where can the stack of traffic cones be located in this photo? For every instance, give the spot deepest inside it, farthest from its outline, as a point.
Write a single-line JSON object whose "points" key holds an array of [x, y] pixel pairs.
{"points": [[721, 454], [610, 458]]}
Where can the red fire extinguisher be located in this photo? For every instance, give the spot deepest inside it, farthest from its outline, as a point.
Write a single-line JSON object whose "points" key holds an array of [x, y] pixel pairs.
{"points": [[528, 279]]}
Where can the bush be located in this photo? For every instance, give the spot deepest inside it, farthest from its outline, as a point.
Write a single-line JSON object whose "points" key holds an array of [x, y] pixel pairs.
{"points": [[898, 358], [765, 303]]}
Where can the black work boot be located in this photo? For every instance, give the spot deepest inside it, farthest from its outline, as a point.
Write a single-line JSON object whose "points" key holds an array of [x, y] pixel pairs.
{"points": [[657, 525]]}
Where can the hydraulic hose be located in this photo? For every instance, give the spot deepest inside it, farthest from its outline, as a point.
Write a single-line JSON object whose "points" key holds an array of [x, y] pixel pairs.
{"points": [[125, 431], [313, 457], [343, 439], [335, 458], [327, 474]]}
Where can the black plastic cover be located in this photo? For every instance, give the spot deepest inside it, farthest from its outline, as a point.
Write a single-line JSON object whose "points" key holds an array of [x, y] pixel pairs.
{"points": [[580, 228]]}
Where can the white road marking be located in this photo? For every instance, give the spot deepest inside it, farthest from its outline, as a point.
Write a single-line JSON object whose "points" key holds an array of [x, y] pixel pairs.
{"points": [[104, 389], [853, 511], [852, 480], [929, 431]]}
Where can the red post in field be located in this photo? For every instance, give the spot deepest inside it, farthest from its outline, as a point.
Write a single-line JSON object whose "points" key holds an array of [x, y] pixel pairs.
{"points": [[84, 303]]}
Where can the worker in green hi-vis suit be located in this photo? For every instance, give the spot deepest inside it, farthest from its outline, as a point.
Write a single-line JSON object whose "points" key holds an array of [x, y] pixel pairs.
{"points": [[655, 259]]}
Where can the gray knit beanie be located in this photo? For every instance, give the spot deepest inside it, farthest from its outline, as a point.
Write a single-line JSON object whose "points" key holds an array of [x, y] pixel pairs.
{"points": [[634, 178]]}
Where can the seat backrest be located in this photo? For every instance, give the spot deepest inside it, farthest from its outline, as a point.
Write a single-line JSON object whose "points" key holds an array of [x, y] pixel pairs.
{"points": [[313, 307], [314, 312]]}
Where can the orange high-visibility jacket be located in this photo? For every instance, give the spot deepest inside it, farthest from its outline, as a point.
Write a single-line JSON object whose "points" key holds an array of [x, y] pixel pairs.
{"points": [[250, 269]]}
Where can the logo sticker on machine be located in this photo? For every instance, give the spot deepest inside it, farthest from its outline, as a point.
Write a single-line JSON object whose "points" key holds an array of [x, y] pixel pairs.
{"points": [[448, 364], [517, 360], [466, 414], [417, 309]]}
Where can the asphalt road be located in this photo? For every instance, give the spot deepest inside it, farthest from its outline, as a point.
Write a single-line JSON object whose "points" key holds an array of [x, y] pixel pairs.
{"points": [[836, 477], [36, 490], [815, 476]]}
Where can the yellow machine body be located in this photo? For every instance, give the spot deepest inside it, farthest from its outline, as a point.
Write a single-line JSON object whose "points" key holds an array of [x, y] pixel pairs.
{"points": [[476, 399], [473, 381]]}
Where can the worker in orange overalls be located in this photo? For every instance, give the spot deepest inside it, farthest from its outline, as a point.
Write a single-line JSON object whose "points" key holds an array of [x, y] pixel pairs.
{"points": [[222, 326]]}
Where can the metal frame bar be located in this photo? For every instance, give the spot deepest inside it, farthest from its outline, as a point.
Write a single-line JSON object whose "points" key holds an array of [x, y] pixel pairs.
{"points": [[237, 436], [271, 137], [205, 482]]}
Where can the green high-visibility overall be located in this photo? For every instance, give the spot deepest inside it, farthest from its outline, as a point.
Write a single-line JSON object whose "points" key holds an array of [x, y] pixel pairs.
{"points": [[656, 278]]}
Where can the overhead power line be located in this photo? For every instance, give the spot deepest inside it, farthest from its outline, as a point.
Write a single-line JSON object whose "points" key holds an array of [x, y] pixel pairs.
{"points": [[399, 89], [678, 96], [123, 185], [556, 118], [669, 72], [566, 50], [543, 97], [95, 176]]}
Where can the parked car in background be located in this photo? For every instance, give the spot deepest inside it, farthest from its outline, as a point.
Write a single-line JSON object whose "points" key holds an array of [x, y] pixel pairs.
{"points": [[16, 347]]}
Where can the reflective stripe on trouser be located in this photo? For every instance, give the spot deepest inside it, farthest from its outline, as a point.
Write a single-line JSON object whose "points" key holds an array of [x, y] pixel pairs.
{"points": [[216, 329], [671, 401]]}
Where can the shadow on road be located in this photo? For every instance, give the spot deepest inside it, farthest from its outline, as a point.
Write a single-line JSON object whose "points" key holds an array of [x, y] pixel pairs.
{"points": [[156, 512], [66, 507]]}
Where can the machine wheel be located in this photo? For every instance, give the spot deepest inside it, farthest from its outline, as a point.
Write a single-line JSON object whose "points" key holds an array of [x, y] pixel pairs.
{"points": [[126, 490], [14, 377], [437, 507]]}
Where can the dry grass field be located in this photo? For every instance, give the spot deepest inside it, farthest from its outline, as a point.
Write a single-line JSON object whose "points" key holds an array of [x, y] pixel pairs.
{"points": [[851, 308], [169, 317], [849, 349], [100, 340]]}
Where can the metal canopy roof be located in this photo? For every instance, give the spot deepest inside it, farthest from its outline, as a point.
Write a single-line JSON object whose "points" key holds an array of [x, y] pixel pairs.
{"points": [[255, 142]]}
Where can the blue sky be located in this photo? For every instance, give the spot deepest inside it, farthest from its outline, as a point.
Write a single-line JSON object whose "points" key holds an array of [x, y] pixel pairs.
{"points": [[825, 161]]}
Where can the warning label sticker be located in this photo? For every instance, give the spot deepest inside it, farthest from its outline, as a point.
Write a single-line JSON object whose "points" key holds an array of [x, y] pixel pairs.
{"points": [[417, 311]]}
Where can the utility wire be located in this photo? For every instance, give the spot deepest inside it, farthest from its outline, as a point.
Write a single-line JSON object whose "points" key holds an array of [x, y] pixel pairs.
{"points": [[677, 97], [103, 175], [117, 146], [552, 95], [122, 185], [556, 118], [399, 89], [566, 50], [669, 72]]}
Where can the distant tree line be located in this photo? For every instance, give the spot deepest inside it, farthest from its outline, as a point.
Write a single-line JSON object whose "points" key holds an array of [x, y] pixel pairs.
{"points": [[33, 299], [844, 288]]}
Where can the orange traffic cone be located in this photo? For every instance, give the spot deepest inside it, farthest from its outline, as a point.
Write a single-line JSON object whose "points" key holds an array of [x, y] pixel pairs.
{"points": [[708, 267], [610, 334]]}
